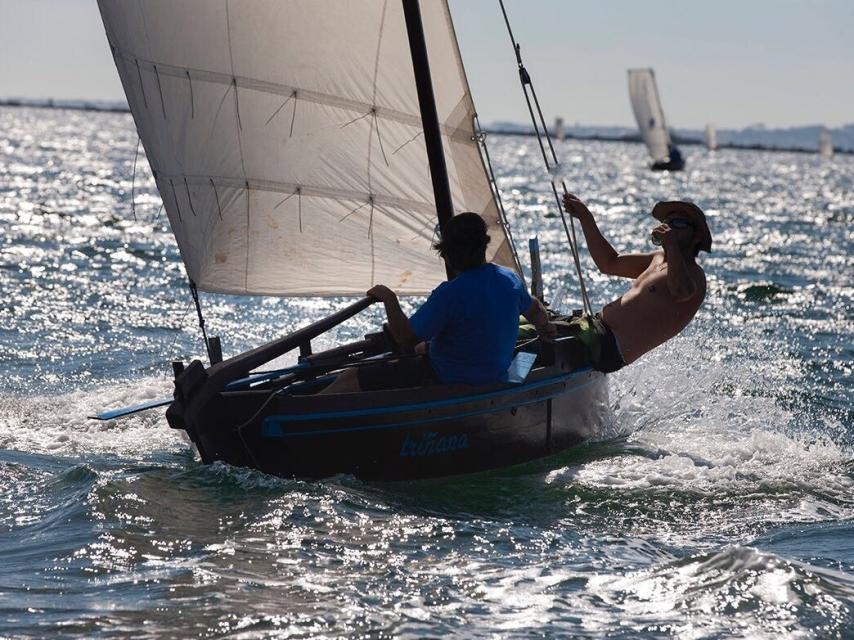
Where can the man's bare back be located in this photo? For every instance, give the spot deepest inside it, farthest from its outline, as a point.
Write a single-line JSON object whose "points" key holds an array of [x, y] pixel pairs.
{"points": [[668, 287], [648, 314]]}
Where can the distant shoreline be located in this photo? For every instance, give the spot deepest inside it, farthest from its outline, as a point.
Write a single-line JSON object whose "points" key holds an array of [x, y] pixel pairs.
{"points": [[627, 138], [678, 140], [70, 106]]}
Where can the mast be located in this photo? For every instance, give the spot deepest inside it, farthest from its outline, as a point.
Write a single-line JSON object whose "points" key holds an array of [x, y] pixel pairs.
{"points": [[429, 116]]}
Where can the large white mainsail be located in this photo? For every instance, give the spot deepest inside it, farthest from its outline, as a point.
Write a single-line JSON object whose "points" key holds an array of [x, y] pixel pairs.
{"points": [[285, 139], [649, 114]]}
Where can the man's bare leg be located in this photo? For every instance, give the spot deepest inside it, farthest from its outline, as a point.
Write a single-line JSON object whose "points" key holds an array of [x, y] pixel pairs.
{"points": [[346, 382]]}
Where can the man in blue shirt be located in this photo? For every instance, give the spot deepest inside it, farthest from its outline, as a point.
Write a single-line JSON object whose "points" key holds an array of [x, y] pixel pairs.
{"points": [[469, 323]]}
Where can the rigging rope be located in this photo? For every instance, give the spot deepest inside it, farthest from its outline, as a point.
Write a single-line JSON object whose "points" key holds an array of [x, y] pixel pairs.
{"points": [[480, 137], [133, 180], [195, 293], [569, 229]]}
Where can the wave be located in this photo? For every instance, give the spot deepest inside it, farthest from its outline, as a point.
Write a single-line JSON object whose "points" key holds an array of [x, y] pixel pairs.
{"points": [[60, 424], [720, 594]]}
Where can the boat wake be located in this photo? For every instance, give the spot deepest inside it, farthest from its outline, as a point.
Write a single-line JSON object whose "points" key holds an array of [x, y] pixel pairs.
{"points": [[60, 424], [711, 455]]}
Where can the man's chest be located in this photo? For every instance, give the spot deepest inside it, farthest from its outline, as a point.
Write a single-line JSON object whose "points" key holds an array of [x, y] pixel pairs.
{"points": [[653, 279]]}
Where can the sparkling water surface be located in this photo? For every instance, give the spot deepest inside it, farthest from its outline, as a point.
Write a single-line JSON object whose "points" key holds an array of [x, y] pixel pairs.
{"points": [[720, 504]]}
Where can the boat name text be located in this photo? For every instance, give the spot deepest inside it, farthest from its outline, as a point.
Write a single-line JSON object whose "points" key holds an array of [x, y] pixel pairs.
{"points": [[432, 443]]}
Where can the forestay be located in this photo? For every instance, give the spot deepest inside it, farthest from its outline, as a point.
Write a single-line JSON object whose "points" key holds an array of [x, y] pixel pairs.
{"points": [[649, 114], [285, 139]]}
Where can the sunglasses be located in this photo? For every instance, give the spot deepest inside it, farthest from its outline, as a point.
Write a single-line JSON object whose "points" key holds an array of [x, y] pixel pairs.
{"points": [[679, 223]]}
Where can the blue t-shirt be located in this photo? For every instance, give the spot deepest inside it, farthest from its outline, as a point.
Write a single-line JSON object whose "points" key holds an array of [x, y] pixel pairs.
{"points": [[472, 322]]}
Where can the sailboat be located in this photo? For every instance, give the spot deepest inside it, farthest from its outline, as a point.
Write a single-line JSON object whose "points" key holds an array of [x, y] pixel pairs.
{"points": [[312, 148], [646, 105], [825, 143], [559, 131], [711, 137]]}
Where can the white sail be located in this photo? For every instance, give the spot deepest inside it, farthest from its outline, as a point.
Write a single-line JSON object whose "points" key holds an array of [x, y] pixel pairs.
{"points": [[825, 144], [285, 139], [559, 131], [648, 113], [711, 137]]}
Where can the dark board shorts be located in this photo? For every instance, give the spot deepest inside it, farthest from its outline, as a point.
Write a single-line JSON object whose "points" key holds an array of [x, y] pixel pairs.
{"points": [[397, 374], [603, 350], [610, 356]]}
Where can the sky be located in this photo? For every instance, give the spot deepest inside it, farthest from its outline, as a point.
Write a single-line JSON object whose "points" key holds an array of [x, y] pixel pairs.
{"points": [[731, 62]]}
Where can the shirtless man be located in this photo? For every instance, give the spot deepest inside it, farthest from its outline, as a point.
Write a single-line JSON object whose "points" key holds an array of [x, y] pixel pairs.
{"points": [[668, 286]]}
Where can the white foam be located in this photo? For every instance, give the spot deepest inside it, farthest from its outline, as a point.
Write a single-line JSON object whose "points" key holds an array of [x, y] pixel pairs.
{"points": [[710, 595], [700, 417], [60, 424]]}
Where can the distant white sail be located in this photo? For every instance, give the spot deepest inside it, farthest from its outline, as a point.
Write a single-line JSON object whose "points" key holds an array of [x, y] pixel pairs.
{"points": [[649, 114], [711, 137], [559, 132], [286, 143], [825, 144]]}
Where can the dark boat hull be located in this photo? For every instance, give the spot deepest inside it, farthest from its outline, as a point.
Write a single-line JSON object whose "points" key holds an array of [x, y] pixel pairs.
{"points": [[670, 165], [283, 427], [409, 433]]}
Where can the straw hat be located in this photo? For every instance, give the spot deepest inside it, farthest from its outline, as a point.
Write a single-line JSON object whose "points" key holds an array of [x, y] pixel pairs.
{"points": [[689, 211]]}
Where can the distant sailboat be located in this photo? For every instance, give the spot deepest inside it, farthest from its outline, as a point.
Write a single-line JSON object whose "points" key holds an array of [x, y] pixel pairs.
{"points": [[825, 144], [711, 137], [559, 131], [650, 117]]}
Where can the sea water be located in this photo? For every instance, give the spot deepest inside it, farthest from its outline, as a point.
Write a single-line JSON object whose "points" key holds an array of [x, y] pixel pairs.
{"points": [[719, 503]]}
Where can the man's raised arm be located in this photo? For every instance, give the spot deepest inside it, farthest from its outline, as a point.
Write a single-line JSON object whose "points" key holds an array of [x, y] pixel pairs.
{"points": [[608, 261]]}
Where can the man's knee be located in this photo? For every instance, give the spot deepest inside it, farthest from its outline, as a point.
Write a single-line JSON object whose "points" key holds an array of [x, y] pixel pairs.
{"points": [[351, 376], [345, 382]]}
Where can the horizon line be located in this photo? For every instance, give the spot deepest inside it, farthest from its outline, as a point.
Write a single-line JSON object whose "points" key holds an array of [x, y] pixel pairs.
{"points": [[120, 104]]}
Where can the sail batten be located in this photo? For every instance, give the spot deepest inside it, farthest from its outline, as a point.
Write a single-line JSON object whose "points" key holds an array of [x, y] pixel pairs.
{"points": [[649, 114], [287, 91], [288, 189], [242, 104]]}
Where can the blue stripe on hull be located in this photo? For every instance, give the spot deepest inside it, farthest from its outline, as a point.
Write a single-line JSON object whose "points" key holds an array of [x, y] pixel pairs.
{"points": [[273, 425]]}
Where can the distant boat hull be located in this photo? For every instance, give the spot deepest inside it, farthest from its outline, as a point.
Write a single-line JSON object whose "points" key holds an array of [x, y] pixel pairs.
{"points": [[669, 165]]}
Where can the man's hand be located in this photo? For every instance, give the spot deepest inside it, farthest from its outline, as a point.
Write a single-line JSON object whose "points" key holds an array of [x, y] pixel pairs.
{"points": [[669, 240], [382, 293], [574, 206], [398, 323], [539, 317], [548, 331]]}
